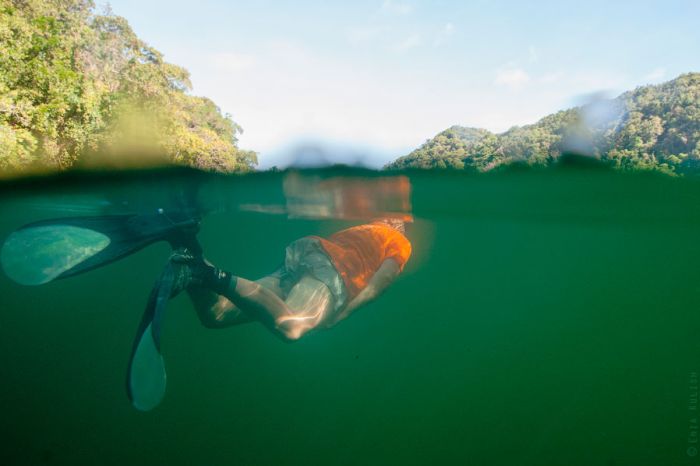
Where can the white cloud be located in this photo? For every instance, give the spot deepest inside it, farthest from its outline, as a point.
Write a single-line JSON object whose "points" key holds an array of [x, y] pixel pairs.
{"points": [[363, 35], [512, 77], [283, 91], [395, 7], [533, 55], [657, 75], [291, 92], [384, 31], [232, 61], [551, 78], [598, 80], [408, 43], [444, 34], [288, 51]]}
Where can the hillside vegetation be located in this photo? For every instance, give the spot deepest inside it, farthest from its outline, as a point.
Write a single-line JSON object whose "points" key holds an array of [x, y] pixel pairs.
{"points": [[650, 128], [79, 87]]}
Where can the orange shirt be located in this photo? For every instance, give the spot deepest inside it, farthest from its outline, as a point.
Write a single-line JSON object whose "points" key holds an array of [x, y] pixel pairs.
{"points": [[359, 251]]}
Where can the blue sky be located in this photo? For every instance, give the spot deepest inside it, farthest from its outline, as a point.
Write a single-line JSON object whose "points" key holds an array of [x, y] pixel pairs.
{"points": [[382, 76]]}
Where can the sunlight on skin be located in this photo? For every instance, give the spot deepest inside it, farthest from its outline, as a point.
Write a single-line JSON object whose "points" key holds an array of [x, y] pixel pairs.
{"points": [[307, 306], [296, 326], [222, 307]]}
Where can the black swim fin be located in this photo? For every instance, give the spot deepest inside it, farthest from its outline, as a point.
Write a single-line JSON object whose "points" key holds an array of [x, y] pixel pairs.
{"points": [[146, 377], [53, 249]]}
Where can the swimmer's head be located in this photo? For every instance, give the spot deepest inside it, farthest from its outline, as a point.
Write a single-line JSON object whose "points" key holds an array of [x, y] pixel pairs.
{"points": [[398, 224]]}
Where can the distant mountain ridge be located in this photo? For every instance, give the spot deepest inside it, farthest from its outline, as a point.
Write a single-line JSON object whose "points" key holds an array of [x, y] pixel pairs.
{"points": [[650, 128]]}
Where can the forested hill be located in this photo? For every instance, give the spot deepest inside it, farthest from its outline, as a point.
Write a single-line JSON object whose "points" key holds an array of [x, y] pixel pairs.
{"points": [[652, 127], [78, 86]]}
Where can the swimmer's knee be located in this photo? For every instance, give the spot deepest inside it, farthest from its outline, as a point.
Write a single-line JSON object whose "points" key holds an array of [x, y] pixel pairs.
{"points": [[216, 316], [290, 331], [209, 320]]}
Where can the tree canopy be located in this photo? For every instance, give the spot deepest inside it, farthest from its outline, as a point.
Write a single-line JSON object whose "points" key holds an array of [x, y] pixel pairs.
{"points": [[650, 128], [79, 87]]}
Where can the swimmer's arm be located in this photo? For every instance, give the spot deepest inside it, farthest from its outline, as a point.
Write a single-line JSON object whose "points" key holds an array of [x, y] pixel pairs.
{"points": [[381, 279]]}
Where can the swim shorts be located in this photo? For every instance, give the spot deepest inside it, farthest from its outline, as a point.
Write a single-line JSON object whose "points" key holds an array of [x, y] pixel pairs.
{"points": [[306, 256]]}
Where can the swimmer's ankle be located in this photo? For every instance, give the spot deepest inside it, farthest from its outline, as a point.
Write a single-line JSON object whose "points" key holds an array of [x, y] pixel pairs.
{"points": [[217, 280]]}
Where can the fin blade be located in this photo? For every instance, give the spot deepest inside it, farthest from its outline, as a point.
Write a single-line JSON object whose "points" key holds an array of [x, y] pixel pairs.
{"points": [[40, 254], [59, 248], [147, 377]]}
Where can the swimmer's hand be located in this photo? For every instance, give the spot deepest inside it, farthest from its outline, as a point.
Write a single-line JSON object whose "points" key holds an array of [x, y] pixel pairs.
{"points": [[381, 279]]}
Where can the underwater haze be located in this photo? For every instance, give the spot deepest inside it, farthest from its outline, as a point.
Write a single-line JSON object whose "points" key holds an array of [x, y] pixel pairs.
{"points": [[546, 317]]}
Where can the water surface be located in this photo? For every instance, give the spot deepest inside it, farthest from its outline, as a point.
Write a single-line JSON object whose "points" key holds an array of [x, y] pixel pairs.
{"points": [[546, 317]]}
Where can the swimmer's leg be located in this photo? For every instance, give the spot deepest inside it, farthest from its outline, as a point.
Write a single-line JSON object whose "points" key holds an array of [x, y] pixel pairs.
{"points": [[307, 305], [216, 311], [311, 302], [305, 308]]}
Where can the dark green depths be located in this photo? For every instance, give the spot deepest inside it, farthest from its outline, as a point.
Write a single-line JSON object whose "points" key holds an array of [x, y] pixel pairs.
{"points": [[545, 317]]}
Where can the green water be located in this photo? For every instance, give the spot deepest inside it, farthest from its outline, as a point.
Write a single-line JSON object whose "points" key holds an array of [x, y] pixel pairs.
{"points": [[545, 318]]}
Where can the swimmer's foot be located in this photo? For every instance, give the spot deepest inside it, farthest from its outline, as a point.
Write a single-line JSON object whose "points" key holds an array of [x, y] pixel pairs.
{"points": [[182, 261], [196, 272]]}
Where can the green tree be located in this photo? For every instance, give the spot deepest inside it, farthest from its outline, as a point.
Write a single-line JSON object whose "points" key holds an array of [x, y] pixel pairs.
{"points": [[650, 128], [80, 87]]}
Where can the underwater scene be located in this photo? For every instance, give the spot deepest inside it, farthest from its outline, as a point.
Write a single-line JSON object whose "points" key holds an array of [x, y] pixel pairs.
{"points": [[536, 316]]}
